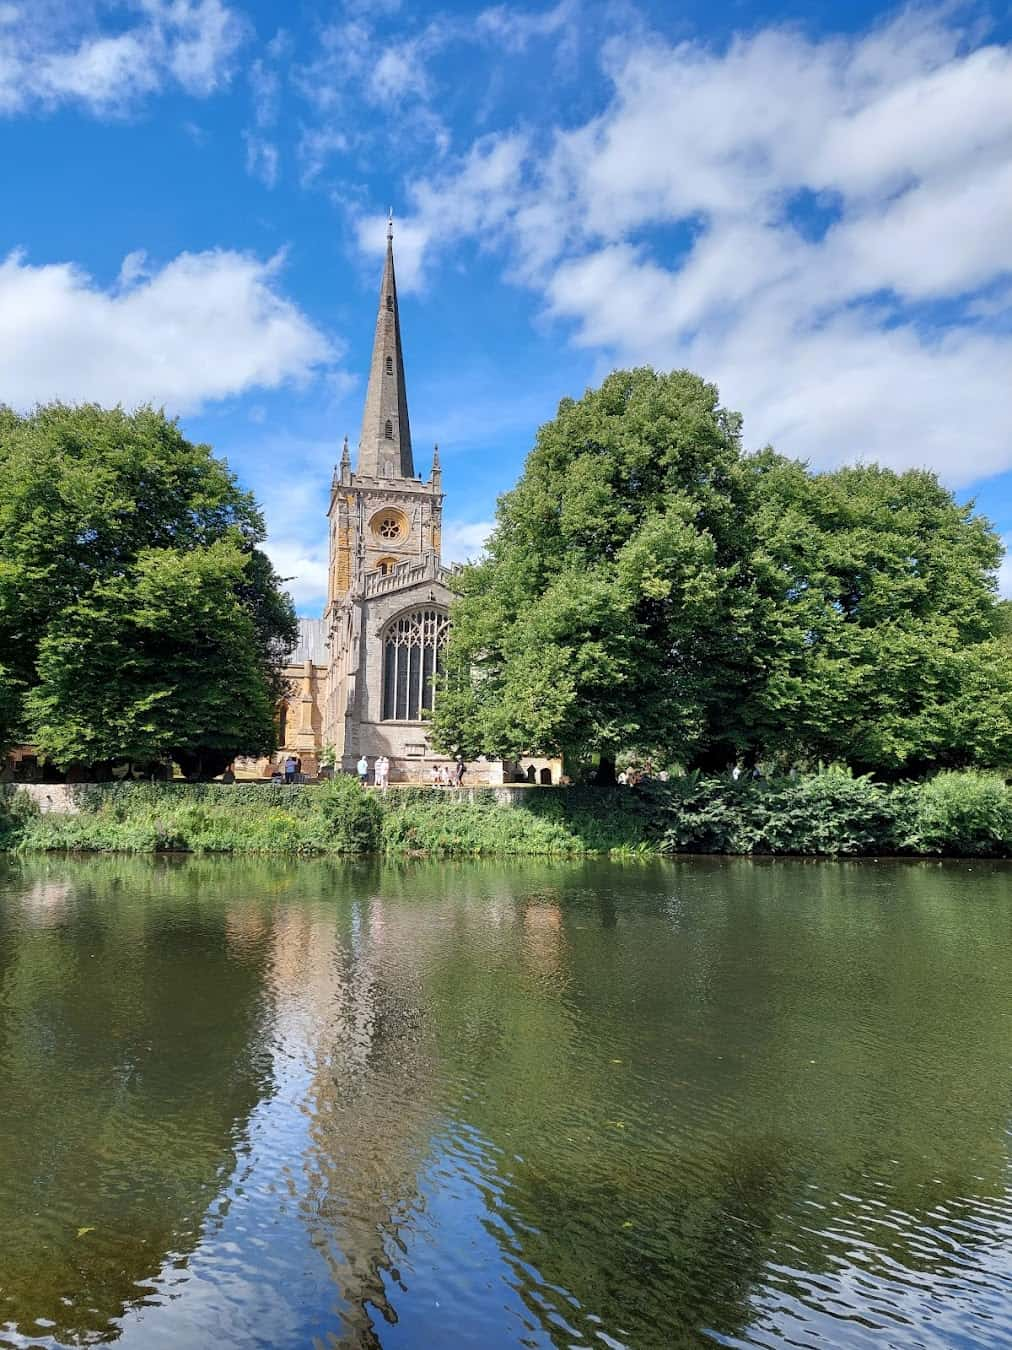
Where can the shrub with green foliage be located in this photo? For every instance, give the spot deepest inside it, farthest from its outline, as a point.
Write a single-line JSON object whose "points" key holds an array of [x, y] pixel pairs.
{"points": [[345, 818], [969, 814], [15, 809], [829, 813], [336, 817], [435, 823]]}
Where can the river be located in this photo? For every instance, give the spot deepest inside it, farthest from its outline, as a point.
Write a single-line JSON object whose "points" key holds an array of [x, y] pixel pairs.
{"points": [[708, 1102]]}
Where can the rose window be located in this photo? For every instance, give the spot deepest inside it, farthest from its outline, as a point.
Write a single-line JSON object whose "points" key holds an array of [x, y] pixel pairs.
{"points": [[389, 528]]}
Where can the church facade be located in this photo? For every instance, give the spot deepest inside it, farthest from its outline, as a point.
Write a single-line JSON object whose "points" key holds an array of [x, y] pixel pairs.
{"points": [[361, 678]]}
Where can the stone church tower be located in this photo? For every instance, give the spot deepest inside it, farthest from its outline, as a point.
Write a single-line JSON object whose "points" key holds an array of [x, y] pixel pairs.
{"points": [[361, 678], [387, 599]]}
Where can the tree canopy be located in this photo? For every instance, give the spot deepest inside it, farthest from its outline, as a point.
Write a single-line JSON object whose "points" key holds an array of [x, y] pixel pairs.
{"points": [[650, 586], [138, 617]]}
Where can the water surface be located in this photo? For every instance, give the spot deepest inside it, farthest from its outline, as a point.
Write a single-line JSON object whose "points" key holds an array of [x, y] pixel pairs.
{"points": [[708, 1102]]}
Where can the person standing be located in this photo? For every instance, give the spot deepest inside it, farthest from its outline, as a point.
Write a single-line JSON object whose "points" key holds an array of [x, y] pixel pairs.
{"points": [[459, 769], [363, 770], [382, 772], [290, 769]]}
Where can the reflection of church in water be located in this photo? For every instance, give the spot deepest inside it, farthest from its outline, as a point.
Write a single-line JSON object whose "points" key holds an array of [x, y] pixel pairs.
{"points": [[361, 677]]}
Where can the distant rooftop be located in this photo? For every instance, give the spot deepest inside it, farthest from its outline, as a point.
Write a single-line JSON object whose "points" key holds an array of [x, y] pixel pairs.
{"points": [[311, 645]]}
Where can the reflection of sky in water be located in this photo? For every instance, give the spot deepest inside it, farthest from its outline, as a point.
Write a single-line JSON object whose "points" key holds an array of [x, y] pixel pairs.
{"points": [[538, 1106]]}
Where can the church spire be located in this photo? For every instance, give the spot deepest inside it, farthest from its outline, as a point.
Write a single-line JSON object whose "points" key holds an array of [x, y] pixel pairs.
{"points": [[384, 448]]}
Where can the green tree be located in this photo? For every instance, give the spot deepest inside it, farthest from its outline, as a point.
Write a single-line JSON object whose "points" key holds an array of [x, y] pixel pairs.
{"points": [[887, 650], [138, 617], [651, 587], [616, 607]]}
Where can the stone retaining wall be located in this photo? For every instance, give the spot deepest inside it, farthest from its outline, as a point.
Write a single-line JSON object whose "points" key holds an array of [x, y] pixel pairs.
{"points": [[61, 797], [58, 797]]}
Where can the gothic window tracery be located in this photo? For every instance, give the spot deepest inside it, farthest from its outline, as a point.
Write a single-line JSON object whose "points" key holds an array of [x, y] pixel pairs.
{"points": [[412, 654]]}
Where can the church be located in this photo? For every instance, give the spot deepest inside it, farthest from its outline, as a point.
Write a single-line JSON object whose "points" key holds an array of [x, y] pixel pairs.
{"points": [[361, 677]]}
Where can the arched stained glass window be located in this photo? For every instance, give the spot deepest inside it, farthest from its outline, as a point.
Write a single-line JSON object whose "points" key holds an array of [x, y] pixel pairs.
{"points": [[412, 654]]}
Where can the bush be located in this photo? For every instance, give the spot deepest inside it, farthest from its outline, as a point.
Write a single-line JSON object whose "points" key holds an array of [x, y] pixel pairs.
{"points": [[444, 827], [967, 814], [346, 818], [16, 809], [707, 815], [831, 813], [828, 812]]}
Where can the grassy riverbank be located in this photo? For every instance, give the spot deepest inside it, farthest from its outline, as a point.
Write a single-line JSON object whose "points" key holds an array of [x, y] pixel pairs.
{"points": [[831, 813]]}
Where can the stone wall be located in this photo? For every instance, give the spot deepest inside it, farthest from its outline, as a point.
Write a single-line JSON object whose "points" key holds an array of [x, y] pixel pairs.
{"points": [[58, 797], [62, 798]]}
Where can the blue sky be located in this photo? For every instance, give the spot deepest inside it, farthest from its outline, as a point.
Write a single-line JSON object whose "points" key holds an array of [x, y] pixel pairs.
{"points": [[809, 204]]}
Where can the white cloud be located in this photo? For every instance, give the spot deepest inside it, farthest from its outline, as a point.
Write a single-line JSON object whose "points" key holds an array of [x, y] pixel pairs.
{"points": [[836, 217], [205, 326], [200, 37], [262, 159], [476, 195], [356, 63], [297, 528], [400, 78], [263, 156], [464, 540], [316, 145], [52, 53], [265, 86], [303, 567], [514, 29]]}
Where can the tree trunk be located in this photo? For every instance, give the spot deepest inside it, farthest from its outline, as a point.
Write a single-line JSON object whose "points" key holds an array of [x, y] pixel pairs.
{"points": [[605, 776]]}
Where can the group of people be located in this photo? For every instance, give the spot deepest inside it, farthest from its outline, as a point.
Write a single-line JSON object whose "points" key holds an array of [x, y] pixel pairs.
{"points": [[633, 776], [293, 768], [444, 776], [381, 771]]}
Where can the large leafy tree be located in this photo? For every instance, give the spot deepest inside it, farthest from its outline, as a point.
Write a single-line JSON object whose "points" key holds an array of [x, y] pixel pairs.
{"points": [[138, 617], [889, 651], [649, 585], [615, 607]]}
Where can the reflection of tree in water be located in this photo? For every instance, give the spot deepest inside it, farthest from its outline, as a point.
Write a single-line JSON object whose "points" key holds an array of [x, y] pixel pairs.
{"points": [[130, 1058], [743, 1071], [681, 1089]]}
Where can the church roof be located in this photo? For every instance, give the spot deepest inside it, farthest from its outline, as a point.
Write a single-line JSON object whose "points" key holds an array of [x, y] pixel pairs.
{"points": [[384, 448], [311, 645]]}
